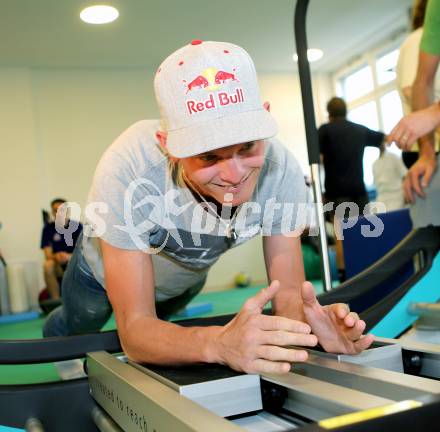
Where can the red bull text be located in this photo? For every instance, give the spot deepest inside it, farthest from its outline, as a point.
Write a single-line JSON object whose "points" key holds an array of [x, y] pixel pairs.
{"points": [[219, 99]]}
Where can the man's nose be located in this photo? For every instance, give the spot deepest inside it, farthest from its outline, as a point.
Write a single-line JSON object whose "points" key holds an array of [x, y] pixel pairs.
{"points": [[232, 170]]}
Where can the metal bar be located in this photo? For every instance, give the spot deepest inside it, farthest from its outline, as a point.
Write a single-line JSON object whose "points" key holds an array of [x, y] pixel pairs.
{"points": [[138, 402], [431, 310], [429, 352], [33, 425], [412, 345], [103, 421], [57, 348], [316, 400], [221, 390], [305, 81], [386, 356], [323, 246], [311, 133], [379, 382]]}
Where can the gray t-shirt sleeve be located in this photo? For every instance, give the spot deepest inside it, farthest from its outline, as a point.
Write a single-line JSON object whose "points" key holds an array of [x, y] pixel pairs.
{"points": [[293, 203], [124, 202]]}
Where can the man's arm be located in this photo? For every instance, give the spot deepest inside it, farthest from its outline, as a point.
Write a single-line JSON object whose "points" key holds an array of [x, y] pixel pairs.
{"points": [[284, 262], [375, 138], [420, 125], [407, 94], [423, 95], [337, 329], [130, 287], [251, 342]]}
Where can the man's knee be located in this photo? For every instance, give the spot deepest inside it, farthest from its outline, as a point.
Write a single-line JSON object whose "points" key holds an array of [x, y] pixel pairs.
{"points": [[49, 267], [55, 324]]}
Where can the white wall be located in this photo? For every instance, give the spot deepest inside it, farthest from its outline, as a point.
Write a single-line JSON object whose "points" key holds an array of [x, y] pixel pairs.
{"points": [[79, 113], [57, 122], [20, 182]]}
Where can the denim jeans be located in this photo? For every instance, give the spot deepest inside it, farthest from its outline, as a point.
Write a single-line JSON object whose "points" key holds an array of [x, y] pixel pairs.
{"points": [[86, 307]]}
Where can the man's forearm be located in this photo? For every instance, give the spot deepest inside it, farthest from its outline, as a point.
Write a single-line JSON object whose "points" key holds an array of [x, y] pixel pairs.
{"points": [[151, 340], [422, 94], [288, 303], [426, 147], [284, 262], [423, 97], [432, 119]]}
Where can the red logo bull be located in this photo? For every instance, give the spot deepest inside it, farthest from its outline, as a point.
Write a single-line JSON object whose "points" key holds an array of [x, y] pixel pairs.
{"points": [[198, 82], [221, 77], [210, 79]]}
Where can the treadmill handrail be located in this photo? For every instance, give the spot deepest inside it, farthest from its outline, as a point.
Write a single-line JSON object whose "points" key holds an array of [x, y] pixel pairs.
{"points": [[27, 351], [425, 240]]}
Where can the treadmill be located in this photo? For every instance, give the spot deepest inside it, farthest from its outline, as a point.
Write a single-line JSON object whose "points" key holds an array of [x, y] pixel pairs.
{"points": [[393, 384]]}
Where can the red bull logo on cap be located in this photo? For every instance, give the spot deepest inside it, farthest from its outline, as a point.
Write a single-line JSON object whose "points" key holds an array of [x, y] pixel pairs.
{"points": [[212, 79]]}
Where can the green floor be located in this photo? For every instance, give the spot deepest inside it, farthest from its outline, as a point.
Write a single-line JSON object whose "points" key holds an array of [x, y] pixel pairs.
{"points": [[224, 302]]}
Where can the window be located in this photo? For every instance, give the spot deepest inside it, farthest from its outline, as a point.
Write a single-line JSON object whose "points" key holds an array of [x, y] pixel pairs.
{"points": [[369, 88], [366, 115], [358, 84], [391, 108], [386, 67]]}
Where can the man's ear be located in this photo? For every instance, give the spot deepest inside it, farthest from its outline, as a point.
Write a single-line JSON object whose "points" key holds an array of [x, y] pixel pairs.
{"points": [[162, 138], [266, 106]]}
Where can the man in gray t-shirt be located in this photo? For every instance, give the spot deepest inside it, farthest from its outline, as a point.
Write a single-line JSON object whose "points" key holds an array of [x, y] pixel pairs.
{"points": [[186, 237], [169, 197]]}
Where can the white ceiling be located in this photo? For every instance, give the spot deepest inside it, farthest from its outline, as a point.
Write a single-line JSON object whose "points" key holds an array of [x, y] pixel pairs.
{"points": [[48, 33]]}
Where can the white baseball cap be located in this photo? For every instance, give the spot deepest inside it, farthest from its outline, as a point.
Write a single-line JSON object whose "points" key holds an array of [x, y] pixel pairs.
{"points": [[209, 98]]}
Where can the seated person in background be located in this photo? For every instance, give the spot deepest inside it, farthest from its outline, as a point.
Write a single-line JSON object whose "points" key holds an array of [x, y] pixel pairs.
{"points": [[389, 172], [57, 252]]}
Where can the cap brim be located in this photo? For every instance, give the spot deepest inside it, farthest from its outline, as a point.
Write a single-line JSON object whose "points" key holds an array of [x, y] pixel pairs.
{"points": [[221, 132]]}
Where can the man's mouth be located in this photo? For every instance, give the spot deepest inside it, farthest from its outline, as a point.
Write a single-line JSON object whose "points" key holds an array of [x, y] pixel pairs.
{"points": [[234, 187]]}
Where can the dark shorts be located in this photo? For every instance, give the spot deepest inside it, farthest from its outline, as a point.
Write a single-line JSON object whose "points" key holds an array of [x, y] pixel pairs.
{"points": [[410, 158], [361, 201]]}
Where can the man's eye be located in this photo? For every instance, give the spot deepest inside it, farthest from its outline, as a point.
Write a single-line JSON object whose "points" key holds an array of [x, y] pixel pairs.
{"points": [[247, 147], [208, 158]]}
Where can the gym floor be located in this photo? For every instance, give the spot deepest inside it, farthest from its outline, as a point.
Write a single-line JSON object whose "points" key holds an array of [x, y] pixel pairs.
{"points": [[223, 302]]}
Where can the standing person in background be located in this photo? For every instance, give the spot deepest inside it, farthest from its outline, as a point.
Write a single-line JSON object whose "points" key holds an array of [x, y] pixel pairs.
{"points": [[389, 172], [406, 131], [57, 252], [413, 126], [406, 71], [342, 144]]}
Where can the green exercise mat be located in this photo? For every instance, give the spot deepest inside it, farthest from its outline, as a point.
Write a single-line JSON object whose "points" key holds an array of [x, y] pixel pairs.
{"points": [[224, 302]]}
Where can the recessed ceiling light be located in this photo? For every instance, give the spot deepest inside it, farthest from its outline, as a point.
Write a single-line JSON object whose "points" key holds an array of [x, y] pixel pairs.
{"points": [[99, 14], [313, 54]]}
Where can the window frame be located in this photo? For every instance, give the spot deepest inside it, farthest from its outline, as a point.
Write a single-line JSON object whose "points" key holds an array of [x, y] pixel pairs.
{"points": [[379, 90], [368, 59]]}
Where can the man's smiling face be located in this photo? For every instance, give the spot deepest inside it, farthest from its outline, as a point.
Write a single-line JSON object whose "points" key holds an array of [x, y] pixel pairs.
{"points": [[229, 170]]}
